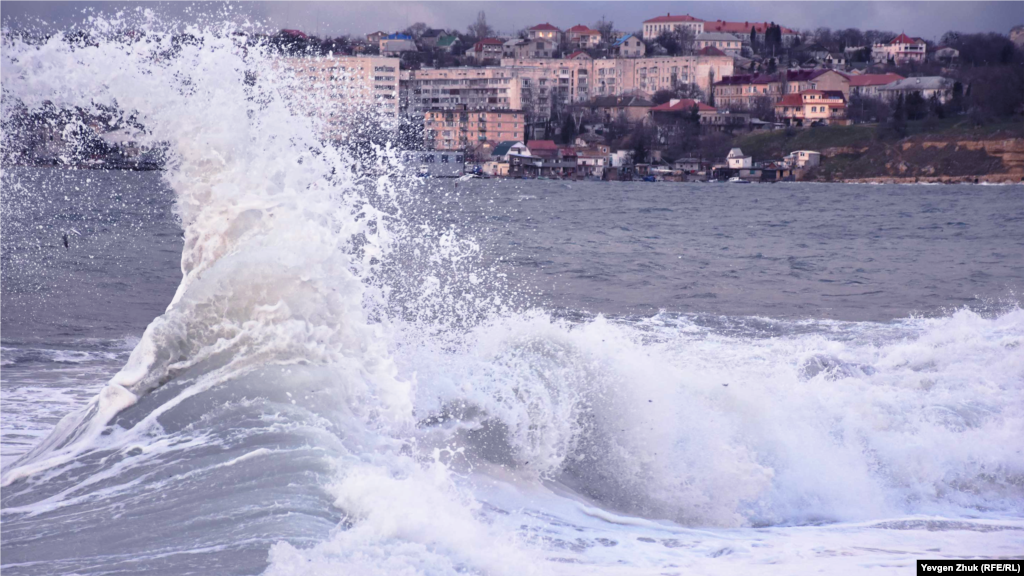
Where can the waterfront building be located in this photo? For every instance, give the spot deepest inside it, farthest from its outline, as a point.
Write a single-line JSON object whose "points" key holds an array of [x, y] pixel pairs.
{"points": [[463, 129]]}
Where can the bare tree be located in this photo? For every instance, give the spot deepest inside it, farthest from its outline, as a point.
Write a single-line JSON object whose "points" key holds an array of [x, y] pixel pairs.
{"points": [[480, 29], [606, 28]]}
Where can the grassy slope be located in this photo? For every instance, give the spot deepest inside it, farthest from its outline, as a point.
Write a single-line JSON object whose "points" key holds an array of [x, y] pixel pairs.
{"points": [[880, 152]]}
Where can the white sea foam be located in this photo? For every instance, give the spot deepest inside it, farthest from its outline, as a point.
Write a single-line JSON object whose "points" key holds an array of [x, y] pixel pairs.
{"points": [[484, 439]]}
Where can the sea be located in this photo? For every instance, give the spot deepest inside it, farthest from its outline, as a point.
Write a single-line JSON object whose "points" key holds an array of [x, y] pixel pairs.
{"points": [[280, 356]]}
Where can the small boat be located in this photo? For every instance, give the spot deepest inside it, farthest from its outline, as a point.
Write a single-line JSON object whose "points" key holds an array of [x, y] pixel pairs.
{"points": [[465, 177], [650, 179], [423, 172], [738, 180]]}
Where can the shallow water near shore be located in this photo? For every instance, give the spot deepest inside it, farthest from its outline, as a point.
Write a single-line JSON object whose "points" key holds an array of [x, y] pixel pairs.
{"points": [[264, 361]]}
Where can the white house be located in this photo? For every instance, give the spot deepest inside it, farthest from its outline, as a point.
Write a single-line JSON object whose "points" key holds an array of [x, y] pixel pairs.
{"points": [[803, 159], [501, 152], [737, 160], [900, 50], [927, 86]]}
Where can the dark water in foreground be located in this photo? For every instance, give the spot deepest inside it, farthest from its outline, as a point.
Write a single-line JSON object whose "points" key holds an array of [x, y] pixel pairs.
{"points": [[847, 252]]}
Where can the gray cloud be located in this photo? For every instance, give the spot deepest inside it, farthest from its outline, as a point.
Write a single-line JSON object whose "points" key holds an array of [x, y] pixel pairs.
{"points": [[926, 19]]}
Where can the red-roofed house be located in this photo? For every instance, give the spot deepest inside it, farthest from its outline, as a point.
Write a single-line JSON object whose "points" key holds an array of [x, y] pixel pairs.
{"points": [[899, 50], [669, 23], [742, 29], [676, 105], [486, 49], [710, 51], [809, 106], [578, 55], [545, 31], [867, 85], [583, 37]]}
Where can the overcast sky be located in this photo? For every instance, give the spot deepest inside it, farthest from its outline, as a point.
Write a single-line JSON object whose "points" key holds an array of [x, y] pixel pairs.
{"points": [[924, 19]]}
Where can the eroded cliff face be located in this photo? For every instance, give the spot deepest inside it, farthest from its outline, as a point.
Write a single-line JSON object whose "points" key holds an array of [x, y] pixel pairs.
{"points": [[919, 159]]}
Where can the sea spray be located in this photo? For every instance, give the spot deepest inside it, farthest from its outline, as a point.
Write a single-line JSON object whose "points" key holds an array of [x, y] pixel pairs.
{"points": [[339, 384]]}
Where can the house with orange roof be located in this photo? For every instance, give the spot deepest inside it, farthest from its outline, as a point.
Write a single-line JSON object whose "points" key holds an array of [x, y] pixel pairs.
{"points": [[669, 23], [583, 37], [900, 50], [812, 106]]}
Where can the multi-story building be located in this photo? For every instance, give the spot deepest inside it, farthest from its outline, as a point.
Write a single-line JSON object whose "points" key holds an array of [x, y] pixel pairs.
{"points": [[731, 44], [486, 49], [620, 76], [927, 86], [533, 48], [669, 72], [900, 50], [742, 91], [742, 29], [812, 106], [462, 129], [800, 80], [629, 46], [583, 37], [544, 82], [545, 31], [342, 90], [867, 85], [669, 23], [447, 88], [394, 44]]}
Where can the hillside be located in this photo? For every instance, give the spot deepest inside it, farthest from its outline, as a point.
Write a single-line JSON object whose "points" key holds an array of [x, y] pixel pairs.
{"points": [[944, 151]]}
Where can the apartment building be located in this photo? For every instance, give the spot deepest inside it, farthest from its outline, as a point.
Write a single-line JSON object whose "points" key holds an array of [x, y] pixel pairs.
{"points": [[544, 82], [619, 76], [340, 90], [448, 88], [463, 129]]}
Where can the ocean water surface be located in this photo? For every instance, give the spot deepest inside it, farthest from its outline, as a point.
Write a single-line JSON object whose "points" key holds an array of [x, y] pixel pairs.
{"points": [[276, 357]]}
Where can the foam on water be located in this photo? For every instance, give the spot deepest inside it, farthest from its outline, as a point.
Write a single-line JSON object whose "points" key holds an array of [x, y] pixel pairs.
{"points": [[398, 413]]}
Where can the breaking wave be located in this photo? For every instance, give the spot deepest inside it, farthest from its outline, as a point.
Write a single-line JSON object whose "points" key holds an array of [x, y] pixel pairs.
{"points": [[340, 382]]}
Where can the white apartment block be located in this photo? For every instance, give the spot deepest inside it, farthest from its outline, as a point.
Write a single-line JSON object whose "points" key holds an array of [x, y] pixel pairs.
{"points": [[339, 90], [669, 23]]}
